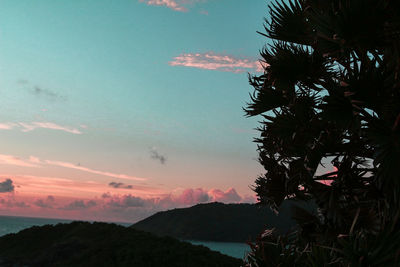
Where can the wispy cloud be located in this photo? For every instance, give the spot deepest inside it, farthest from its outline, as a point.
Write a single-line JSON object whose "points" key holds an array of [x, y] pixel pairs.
{"points": [[72, 187], [8, 126], [172, 4], [220, 62], [203, 12], [13, 160], [33, 161], [176, 5], [40, 91], [30, 126], [22, 81], [27, 127], [85, 169], [154, 154]]}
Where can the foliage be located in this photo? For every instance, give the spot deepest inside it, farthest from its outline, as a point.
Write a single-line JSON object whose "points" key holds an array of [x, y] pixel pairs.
{"points": [[330, 93], [102, 244]]}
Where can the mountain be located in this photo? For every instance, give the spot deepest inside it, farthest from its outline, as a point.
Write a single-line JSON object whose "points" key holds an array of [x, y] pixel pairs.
{"points": [[217, 222], [102, 244]]}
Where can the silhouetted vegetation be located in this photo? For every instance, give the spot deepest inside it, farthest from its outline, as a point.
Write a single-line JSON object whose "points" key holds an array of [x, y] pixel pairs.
{"points": [[330, 93], [102, 244], [217, 222]]}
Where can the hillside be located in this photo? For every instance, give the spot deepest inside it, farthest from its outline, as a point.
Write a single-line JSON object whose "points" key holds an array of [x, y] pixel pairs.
{"points": [[217, 222], [102, 244]]}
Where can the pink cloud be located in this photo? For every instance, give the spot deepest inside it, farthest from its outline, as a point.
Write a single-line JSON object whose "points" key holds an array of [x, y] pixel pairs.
{"points": [[213, 61], [85, 169], [27, 127], [249, 199], [134, 207], [192, 196], [34, 159], [184, 198], [229, 196], [7, 126], [13, 160], [30, 126], [106, 206], [172, 4]]}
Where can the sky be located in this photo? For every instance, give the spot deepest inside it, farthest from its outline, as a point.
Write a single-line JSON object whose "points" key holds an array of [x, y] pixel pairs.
{"points": [[114, 110]]}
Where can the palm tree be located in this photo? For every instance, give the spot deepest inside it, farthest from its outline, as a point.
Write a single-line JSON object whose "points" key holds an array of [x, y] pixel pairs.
{"points": [[330, 93]]}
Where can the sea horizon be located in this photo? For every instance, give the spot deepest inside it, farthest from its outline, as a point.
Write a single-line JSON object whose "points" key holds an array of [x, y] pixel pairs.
{"points": [[68, 219]]}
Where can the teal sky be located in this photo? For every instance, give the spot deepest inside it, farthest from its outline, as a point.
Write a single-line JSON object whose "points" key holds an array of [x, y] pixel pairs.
{"points": [[128, 87]]}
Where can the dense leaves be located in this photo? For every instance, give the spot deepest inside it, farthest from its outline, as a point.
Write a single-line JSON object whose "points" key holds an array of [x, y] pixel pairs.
{"points": [[330, 96]]}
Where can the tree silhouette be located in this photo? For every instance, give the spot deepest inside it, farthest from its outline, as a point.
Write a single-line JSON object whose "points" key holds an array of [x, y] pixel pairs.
{"points": [[330, 94]]}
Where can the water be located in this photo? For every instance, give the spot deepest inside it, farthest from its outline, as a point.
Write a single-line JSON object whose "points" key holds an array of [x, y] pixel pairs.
{"points": [[10, 224], [237, 250]]}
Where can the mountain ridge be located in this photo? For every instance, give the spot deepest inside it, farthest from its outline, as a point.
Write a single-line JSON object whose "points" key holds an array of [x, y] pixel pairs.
{"points": [[217, 222]]}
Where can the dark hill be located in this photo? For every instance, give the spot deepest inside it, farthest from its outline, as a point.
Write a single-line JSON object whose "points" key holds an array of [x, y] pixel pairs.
{"points": [[102, 244], [217, 222]]}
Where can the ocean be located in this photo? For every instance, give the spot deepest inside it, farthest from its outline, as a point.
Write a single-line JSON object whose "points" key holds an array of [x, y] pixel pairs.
{"points": [[11, 224]]}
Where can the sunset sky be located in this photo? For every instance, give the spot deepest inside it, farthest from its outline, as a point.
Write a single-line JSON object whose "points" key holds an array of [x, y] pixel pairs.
{"points": [[113, 110]]}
